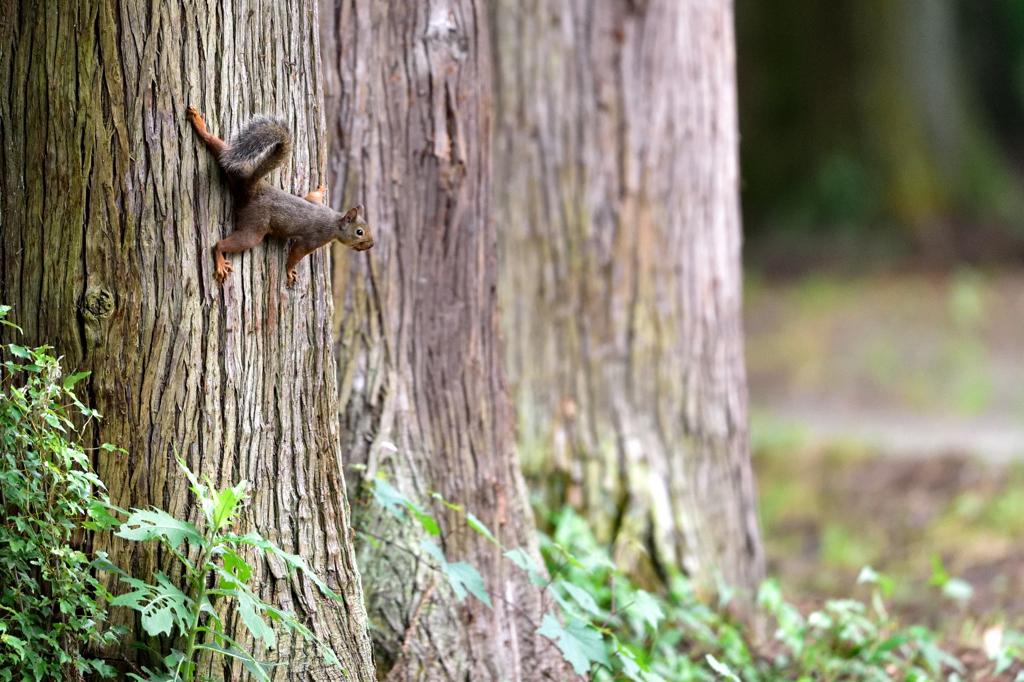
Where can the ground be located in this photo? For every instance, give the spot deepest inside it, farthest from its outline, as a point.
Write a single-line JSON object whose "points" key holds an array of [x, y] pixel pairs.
{"points": [[888, 429]]}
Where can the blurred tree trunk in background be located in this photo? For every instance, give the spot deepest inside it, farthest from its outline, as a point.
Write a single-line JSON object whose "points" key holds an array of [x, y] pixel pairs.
{"points": [[110, 206], [617, 204], [859, 111], [423, 393]]}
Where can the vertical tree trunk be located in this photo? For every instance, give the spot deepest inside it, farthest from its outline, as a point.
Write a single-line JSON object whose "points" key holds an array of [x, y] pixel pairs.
{"points": [[424, 396], [619, 225], [110, 209]]}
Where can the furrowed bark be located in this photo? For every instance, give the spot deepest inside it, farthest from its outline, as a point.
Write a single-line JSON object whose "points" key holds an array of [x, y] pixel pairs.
{"points": [[110, 208], [425, 400], [619, 228]]}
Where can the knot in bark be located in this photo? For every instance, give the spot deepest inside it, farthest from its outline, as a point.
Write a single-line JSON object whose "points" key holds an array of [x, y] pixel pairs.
{"points": [[98, 304]]}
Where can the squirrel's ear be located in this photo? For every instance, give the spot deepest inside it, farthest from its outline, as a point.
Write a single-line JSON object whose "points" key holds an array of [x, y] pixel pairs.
{"points": [[353, 212]]}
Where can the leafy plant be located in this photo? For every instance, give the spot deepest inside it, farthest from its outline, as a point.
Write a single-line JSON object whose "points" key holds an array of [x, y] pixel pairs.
{"points": [[190, 613], [612, 629], [48, 598]]}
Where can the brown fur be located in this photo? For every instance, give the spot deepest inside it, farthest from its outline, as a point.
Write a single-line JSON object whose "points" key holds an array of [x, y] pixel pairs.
{"points": [[261, 209]]}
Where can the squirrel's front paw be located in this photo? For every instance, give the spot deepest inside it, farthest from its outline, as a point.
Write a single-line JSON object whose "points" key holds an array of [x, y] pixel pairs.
{"points": [[194, 117], [293, 278]]}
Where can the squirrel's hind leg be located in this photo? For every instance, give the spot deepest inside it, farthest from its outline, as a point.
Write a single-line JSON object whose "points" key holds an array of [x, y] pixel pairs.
{"points": [[215, 144], [316, 197], [242, 239]]}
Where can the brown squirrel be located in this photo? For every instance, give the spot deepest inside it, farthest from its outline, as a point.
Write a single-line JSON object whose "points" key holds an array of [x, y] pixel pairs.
{"points": [[261, 146]]}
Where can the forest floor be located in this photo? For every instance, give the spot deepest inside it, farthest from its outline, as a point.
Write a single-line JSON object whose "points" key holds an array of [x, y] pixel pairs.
{"points": [[888, 430]]}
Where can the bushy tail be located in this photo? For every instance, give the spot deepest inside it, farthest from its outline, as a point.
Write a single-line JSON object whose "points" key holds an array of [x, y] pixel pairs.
{"points": [[261, 146]]}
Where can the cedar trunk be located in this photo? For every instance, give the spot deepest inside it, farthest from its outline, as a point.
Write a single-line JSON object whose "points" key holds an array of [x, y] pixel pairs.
{"points": [[619, 229], [110, 207], [424, 397]]}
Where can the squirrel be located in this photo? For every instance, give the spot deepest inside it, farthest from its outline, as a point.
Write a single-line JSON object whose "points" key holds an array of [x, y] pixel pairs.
{"points": [[260, 147]]}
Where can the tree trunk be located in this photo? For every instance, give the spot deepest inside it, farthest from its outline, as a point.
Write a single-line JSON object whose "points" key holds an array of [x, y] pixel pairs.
{"points": [[621, 284], [424, 396], [110, 208]]}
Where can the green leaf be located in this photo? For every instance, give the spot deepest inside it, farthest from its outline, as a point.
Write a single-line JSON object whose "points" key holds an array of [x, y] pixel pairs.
{"points": [[389, 497], [103, 563], [581, 597], [101, 517], [426, 520], [431, 548], [462, 577], [631, 668], [440, 498], [247, 608], [939, 575], [156, 523], [521, 558], [721, 668], [19, 351], [289, 621], [15, 643], [478, 525], [227, 500], [646, 607], [162, 605], [256, 669], [70, 382], [236, 566], [206, 501], [580, 644]]}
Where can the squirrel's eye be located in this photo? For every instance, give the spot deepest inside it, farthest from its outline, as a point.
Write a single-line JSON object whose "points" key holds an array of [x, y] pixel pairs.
{"points": [[359, 233]]}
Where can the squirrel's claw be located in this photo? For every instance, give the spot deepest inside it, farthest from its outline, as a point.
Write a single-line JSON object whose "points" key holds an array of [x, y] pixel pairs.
{"points": [[293, 278], [222, 272]]}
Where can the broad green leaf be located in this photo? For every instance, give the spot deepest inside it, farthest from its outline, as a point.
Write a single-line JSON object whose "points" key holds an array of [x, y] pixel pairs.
{"points": [[154, 523], [462, 577], [581, 597], [521, 558], [389, 497], [478, 525], [247, 608], [15, 643], [236, 566], [426, 520], [431, 548], [645, 606], [630, 667], [101, 517], [19, 351], [103, 563], [580, 644], [70, 382]]}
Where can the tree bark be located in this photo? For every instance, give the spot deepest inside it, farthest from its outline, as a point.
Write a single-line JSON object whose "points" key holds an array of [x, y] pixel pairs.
{"points": [[619, 230], [424, 396], [110, 208]]}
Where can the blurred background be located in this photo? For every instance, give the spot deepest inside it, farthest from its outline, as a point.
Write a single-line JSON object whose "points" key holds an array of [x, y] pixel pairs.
{"points": [[883, 197]]}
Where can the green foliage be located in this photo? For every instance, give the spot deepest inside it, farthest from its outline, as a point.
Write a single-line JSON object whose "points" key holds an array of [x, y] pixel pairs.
{"points": [[679, 636], [48, 598], [166, 609], [612, 629]]}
